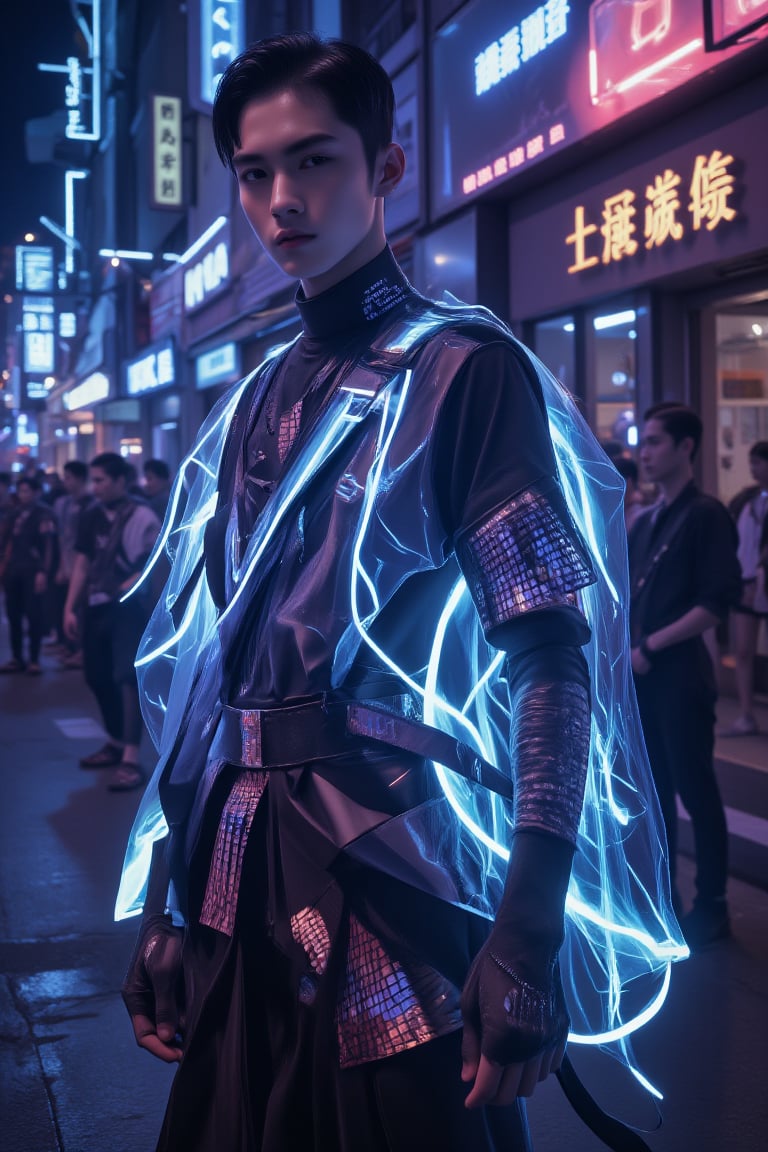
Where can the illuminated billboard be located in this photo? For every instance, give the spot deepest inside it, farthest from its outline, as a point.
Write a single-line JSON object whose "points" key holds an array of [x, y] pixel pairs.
{"points": [[34, 268], [38, 324], [516, 83]]}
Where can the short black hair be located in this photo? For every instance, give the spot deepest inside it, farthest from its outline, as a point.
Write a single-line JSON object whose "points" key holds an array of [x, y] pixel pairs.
{"points": [[111, 463], [31, 482], [679, 421], [760, 449], [6, 478], [354, 83], [77, 469], [158, 468]]}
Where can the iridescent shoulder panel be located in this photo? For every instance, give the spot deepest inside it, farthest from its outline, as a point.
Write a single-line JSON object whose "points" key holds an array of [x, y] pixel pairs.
{"points": [[523, 558]]}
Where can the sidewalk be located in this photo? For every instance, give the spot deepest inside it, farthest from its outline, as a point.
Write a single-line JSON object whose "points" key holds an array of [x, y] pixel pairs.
{"points": [[71, 1076]]}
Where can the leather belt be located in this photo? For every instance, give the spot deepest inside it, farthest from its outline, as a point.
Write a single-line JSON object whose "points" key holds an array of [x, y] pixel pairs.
{"points": [[286, 737]]}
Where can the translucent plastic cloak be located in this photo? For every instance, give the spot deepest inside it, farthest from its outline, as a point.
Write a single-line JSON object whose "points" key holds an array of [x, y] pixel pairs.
{"points": [[621, 933]]}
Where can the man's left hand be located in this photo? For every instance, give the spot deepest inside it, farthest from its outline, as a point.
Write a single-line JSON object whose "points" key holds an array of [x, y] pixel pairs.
{"points": [[514, 1032]]}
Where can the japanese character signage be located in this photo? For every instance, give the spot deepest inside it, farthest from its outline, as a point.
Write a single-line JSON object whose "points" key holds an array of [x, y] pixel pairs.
{"points": [[222, 37], [669, 206], [513, 84], [167, 186]]}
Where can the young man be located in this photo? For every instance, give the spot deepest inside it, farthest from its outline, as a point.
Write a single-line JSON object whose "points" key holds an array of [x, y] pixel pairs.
{"points": [[68, 509], [316, 650], [157, 486], [26, 568], [684, 576], [115, 536]]}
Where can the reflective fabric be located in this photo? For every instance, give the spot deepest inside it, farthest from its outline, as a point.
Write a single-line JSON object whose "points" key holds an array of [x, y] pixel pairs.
{"points": [[522, 559]]}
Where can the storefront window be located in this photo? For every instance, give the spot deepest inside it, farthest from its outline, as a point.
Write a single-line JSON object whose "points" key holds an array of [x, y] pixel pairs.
{"points": [[554, 343], [741, 345], [612, 376]]}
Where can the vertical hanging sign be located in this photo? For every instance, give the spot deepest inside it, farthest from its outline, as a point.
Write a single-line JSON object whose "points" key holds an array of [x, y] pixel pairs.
{"points": [[222, 37], [167, 187]]}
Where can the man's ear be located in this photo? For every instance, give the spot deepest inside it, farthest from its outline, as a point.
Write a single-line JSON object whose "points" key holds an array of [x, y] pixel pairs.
{"points": [[390, 167]]}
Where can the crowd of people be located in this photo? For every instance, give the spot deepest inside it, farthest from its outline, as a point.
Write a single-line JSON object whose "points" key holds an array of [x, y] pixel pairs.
{"points": [[71, 546]]}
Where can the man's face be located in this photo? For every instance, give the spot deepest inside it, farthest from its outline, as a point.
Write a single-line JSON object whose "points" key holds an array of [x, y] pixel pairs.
{"points": [[25, 493], [660, 458], [105, 488], [152, 484], [73, 484], [758, 466], [306, 189]]}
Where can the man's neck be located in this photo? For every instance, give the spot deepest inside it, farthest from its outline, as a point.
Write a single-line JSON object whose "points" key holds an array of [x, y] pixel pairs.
{"points": [[671, 488]]}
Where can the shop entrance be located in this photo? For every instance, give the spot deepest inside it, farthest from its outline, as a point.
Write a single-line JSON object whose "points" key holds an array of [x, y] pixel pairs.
{"points": [[734, 380]]}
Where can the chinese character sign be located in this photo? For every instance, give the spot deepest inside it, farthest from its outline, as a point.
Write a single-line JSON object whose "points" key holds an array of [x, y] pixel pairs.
{"points": [[167, 188], [520, 43], [666, 213]]}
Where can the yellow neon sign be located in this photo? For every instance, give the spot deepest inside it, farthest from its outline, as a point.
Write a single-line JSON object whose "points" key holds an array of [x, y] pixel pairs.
{"points": [[709, 191]]}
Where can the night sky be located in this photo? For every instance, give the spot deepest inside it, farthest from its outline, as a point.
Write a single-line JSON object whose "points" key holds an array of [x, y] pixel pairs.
{"points": [[33, 31]]}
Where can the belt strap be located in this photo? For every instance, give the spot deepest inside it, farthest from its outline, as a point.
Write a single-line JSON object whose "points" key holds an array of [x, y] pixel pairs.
{"points": [[375, 723], [287, 737]]}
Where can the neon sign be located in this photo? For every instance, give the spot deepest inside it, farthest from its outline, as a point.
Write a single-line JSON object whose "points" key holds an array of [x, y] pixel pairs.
{"points": [[156, 368], [218, 365], [39, 328], [92, 389], [517, 157], [205, 277], [82, 92], [707, 204], [520, 43], [222, 38]]}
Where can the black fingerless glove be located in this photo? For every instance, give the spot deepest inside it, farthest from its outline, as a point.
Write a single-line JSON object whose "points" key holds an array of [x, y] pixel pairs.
{"points": [[513, 994], [516, 1020], [152, 986]]}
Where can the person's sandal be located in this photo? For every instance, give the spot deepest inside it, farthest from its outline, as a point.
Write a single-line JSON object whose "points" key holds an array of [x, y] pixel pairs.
{"points": [[106, 757], [127, 778], [34, 669], [12, 666]]}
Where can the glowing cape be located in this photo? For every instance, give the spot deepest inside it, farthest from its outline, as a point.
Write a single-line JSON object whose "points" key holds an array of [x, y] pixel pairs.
{"points": [[621, 933]]}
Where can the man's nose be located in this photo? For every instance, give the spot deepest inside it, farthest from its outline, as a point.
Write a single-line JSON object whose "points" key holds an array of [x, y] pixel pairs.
{"points": [[285, 198]]}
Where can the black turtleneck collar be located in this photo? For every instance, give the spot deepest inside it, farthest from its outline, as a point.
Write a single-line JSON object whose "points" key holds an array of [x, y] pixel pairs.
{"points": [[356, 301]]}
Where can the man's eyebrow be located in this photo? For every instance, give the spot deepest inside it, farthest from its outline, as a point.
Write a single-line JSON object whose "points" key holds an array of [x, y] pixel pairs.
{"points": [[298, 146]]}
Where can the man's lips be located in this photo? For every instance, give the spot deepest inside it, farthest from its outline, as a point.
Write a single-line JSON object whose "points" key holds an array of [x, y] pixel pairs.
{"points": [[288, 239]]}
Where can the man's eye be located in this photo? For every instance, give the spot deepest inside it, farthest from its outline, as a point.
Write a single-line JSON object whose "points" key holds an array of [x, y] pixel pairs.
{"points": [[251, 175], [316, 161]]}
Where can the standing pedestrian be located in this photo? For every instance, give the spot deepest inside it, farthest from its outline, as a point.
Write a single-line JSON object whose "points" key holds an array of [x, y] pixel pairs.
{"points": [[27, 569], [752, 610], [157, 486], [684, 576], [68, 509], [114, 540]]}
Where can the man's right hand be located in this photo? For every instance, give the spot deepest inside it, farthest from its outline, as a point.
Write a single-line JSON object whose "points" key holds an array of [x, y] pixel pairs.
{"points": [[152, 989]]}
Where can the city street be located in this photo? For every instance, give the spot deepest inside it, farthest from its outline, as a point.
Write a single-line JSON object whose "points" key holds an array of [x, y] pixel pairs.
{"points": [[72, 1079]]}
